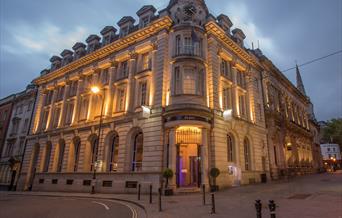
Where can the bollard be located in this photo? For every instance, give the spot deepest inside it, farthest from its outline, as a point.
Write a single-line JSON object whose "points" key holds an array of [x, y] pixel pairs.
{"points": [[139, 191], [203, 190], [213, 209], [150, 194], [159, 200], [272, 207], [258, 207]]}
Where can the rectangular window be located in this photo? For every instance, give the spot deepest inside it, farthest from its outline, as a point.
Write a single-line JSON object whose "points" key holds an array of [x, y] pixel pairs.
{"points": [[73, 88], [25, 127], [189, 82], [188, 48], [241, 79], [56, 117], [69, 113], [145, 21], [29, 106], [105, 76], [15, 126], [120, 100], [178, 82], [123, 70], [84, 108], [124, 31], [45, 119], [146, 61], [60, 93], [242, 105], [21, 146], [143, 93], [227, 95], [178, 45], [48, 99], [226, 69]]}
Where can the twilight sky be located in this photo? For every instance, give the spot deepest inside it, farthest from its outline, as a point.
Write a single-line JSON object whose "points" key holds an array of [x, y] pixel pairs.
{"points": [[288, 31]]}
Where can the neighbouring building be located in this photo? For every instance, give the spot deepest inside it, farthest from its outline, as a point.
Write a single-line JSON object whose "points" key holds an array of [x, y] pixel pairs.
{"points": [[5, 116], [14, 144], [331, 155], [177, 89]]}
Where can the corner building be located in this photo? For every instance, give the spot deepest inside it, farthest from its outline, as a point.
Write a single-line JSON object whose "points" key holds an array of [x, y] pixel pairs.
{"points": [[179, 91]]}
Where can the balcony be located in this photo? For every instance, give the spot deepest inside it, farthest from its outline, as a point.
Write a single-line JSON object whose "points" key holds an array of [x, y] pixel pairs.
{"points": [[189, 51]]}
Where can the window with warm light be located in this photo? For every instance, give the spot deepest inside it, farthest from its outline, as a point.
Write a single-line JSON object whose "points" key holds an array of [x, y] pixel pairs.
{"points": [[120, 101], [189, 81]]}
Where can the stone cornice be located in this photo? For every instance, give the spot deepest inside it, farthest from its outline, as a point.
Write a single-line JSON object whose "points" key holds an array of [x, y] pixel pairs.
{"points": [[153, 28], [213, 28]]}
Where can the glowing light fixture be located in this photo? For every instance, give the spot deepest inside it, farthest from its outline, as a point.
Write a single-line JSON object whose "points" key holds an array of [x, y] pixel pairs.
{"points": [[95, 89], [146, 111], [228, 114]]}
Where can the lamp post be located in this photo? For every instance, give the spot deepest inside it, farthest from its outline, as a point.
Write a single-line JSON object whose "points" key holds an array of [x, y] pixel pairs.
{"points": [[95, 90]]}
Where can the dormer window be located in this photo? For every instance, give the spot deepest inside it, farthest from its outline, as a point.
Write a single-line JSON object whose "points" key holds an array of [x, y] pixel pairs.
{"points": [[145, 21], [124, 31]]}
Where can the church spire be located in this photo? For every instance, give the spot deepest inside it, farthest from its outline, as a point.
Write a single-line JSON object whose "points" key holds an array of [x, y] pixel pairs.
{"points": [[300, 85]]}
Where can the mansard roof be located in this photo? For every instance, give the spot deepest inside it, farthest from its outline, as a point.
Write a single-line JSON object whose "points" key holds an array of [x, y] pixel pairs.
{"points": [[239, 32], [125, 19], [108, 29], [55, 58], [146, 8], [92, 37], [66, 52], [78, 45], [225, 18]]}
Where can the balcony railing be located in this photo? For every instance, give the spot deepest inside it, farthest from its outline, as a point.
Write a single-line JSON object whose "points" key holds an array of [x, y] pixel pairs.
{"points": [[189, 50]]}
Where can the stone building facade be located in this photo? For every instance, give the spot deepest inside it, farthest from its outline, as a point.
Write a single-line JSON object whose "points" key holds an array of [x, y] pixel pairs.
{"points": [[179, 90], [5, 117], [18, 129]]}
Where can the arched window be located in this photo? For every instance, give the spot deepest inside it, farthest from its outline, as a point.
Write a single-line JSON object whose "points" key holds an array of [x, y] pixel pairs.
{"points": [[230, 149], [60, 156], [247, 154], [113, 153], [137, 152], [93, 153], [47, 157], [77, 148]]}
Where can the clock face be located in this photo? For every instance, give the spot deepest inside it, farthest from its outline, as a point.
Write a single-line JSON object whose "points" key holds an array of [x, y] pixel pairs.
{"points": [[190, 10]]}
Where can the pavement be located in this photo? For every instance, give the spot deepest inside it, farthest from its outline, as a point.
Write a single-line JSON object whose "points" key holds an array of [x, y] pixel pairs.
{"points": [[310, 196]]}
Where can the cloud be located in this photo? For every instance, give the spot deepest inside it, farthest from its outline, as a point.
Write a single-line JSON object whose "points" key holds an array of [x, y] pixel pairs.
{"points": [[240, 16], [45, 38]]}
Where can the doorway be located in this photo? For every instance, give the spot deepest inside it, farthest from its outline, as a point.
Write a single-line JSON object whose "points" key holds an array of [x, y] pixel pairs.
{"points": [[188, 165]]}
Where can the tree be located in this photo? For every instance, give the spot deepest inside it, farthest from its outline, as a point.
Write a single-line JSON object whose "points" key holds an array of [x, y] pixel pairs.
{"points": [[332, 132]]}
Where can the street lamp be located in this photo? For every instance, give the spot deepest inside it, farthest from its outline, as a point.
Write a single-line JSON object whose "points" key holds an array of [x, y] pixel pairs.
{"points": [[95, 90]]}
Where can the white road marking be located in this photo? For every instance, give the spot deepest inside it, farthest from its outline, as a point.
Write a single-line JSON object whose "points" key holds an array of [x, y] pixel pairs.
{"points": [[134, 212], [105, 206]]}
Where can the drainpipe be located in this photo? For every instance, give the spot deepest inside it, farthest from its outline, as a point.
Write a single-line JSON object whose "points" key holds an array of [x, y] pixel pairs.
{"points": [[28, 132]]}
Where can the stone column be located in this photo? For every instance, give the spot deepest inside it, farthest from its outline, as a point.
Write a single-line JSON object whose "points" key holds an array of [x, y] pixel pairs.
{"points": [[131, 82], [172, 155], [248, 99], [91, 108], [204, 158], [110, 91], [64, 104], [153, 76], [235, 94], [52, 109], [77, 100], [40, 107]]}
